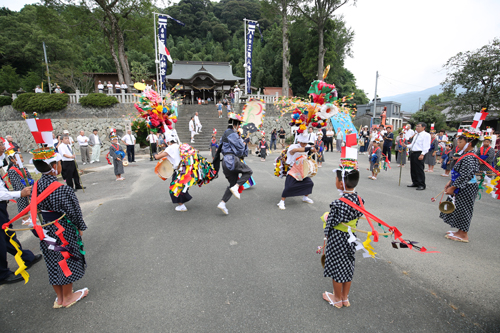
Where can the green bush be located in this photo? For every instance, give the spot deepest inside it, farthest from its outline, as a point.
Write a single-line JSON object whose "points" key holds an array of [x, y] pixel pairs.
{"points": [[5, 100], [31, 102], [94, 99]]}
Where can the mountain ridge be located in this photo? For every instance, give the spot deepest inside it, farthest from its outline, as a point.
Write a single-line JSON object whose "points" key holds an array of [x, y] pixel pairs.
{"points": [[409, 101]]}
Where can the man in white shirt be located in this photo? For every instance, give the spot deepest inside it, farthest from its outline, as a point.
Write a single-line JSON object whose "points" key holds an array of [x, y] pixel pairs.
{"points": [[69, 170], [83, 141], [197, 123], [110, 87], [311, 136], [419, 146], [408, 132], [38, 90], [100, 87], [192, 129], [129, 140], [95, 143], [124, 87], [152, 138], [340, 138]]}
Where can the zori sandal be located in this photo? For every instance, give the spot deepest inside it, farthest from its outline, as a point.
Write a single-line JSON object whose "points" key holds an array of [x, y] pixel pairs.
{"points": [[79, 298]]}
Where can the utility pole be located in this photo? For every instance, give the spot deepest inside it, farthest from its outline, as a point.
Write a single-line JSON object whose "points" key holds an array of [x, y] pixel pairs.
{"points": [[245, 53], [47, 63], [375, 99], [419, 104]]}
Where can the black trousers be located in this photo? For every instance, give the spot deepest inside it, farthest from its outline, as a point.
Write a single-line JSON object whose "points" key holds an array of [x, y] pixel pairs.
{"points": [[232, 176], [152, 151], [70, 174], [130, 153], [6, 246], [417, 169], [329, 143], [387, 152]]}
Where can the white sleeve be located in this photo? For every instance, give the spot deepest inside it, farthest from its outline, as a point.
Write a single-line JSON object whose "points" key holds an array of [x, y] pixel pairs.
{"points": [[426, 144], [5, 194]]}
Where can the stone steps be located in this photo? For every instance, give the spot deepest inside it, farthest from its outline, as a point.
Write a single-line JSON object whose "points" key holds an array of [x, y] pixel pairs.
{"points": [[209, 119]]}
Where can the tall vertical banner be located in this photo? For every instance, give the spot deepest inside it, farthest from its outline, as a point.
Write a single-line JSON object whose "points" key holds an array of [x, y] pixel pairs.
{"points": [[162, 48], [248, 51]]}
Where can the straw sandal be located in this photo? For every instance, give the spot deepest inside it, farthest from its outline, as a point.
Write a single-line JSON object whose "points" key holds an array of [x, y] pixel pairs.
{"points": [[79, 298], [327, 294], [455, 238], [57, 306]]}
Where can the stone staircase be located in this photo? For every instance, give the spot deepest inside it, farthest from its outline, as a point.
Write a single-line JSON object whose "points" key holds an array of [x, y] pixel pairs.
{"points": [[209, 119]]}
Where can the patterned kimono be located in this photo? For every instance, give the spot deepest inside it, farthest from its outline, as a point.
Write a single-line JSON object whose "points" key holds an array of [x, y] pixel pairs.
{"points": [[18, 183], [339, 253], [375, 157], [117, 165], [428, 158], [463, 176], [62, 201], [496, 161], [487, 155], [401, 158]]}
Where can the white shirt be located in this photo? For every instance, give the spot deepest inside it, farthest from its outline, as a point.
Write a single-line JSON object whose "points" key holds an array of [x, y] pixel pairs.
{"points": [[124, 86], [152, 138], [64, 149], [290, 159], [83, 140], [100, 86], [191, 125], [117, 86], [197, 120], [174, 155], [312, 137], [97, 141], [409, 133], [340, 135], [421, 142], [38, 90], [330, 133], [109, 85], [5, 194], [129, 139]]}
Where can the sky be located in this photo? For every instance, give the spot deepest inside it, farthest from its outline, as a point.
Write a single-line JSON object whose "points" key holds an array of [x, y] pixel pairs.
{"points": [[407, 42]]}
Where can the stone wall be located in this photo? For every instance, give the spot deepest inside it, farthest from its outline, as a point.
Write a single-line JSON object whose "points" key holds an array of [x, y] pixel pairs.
{"points": [[74, 111], [73, 118]]}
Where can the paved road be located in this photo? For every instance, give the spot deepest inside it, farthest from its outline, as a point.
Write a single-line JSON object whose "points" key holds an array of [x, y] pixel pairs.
{"points": [[153, 269]]}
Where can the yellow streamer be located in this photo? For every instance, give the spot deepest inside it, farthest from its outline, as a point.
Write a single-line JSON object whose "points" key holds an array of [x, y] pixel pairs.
{"points": [[368, 247], [19, 260]]}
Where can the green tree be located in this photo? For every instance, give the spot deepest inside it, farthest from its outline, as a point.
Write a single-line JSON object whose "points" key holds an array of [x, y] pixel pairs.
{"points": [[9, 79], [478, 72]]}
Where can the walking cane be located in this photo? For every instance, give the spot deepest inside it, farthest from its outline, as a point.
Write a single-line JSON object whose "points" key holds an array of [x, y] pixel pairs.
{"points": [[400, 166], [79, 178]]}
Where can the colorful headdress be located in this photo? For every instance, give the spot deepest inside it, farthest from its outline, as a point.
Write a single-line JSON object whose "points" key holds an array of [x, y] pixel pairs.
{"points": [[112, 137], [43, 153], [152, 108], [471, 134], [10, 152], [233, 116]]}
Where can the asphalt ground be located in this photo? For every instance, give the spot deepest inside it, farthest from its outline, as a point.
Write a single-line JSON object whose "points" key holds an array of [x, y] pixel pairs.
{"points": [[151, 268]]}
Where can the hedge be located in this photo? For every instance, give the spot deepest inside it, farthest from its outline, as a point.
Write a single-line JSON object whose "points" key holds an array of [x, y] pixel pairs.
{"points": [[94, 99], [31, 102], [5, 100]]}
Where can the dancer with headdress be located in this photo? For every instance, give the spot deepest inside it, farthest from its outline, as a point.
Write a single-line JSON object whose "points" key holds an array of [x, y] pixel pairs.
{"points": [[17, 177], [486, 153], [63, 251], [172, 153], [117, 154], [463, 187], [339, 254], [294, 187], [234, 150]]}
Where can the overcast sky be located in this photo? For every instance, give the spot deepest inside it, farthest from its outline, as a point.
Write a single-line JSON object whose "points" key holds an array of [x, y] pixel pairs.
{"points": [[406, 41], [409, 41]]}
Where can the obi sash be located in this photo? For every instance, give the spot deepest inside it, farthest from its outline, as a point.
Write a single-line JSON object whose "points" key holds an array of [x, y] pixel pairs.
{"points": [[344, 226]]}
